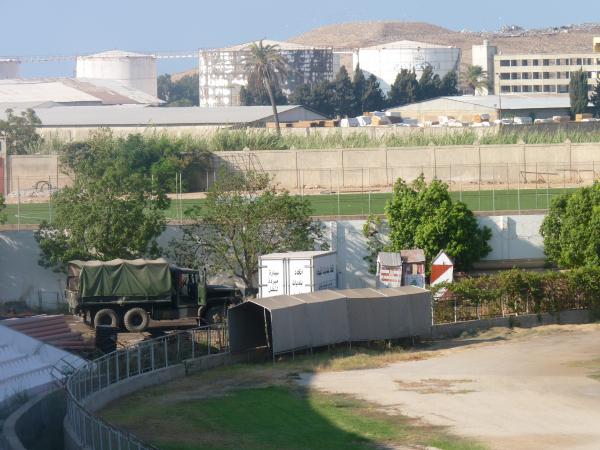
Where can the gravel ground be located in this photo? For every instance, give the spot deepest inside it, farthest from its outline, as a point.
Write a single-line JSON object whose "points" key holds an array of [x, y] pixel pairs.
{"points": [[522, 389]]}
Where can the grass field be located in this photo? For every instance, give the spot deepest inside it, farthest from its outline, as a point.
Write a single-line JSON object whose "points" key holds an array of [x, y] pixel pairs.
{"points": [[249, 408], [347, 204]]}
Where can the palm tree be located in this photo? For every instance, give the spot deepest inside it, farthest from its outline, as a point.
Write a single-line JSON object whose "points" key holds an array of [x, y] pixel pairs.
{"points": [[477, 78], [265, 68]]}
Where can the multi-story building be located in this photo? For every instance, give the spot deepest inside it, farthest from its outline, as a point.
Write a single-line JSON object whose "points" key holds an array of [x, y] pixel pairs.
{"points": [[538, 73]]}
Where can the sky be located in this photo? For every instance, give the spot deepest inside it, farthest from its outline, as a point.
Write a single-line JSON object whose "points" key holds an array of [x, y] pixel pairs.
{"points": [[71, 27]]}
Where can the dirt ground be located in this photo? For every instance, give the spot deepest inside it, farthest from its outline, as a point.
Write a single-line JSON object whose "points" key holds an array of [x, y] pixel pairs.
{"points": [[521, 389]]}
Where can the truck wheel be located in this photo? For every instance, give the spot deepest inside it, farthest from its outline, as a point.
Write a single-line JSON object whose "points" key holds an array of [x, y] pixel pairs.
{"points": [[106, 316], [136, 320]]}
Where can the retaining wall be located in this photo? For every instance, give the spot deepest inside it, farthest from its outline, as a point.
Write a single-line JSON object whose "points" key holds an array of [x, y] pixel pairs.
{"points": [[452, 330]]}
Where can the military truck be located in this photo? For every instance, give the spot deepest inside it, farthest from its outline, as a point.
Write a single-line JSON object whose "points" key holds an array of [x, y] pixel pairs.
{"points": [[128, 293]]}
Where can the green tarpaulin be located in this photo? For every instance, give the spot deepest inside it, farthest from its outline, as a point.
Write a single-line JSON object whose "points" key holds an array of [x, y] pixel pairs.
{"points": [[134, 278]]}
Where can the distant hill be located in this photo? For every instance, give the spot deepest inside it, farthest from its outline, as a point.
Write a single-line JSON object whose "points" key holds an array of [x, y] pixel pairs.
{"points": [[513, 39]]}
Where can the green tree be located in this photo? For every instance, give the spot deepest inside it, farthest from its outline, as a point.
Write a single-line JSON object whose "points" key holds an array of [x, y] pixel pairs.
{"points": [[2, 206], [428, 88], [578, 92], [422, 215], [404, 89], [373, 97], [243, 217], [571, 230], [373, 231], [265, 68], [359, 85], [477, 79], [343, 95], [115, 206], [20, 132], [183, 92], [595, 99], [251, 97], [450, 84]]}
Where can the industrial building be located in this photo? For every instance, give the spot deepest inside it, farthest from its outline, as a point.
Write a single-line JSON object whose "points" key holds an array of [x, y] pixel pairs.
{"points": [[222, 72], [77, 122], [9, 68], [135, 70], [387, 60], [547, 73], [47, 92], [464, 108]]}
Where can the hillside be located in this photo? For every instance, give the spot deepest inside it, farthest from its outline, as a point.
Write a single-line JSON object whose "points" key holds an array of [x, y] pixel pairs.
{"points": [[571, 38]]}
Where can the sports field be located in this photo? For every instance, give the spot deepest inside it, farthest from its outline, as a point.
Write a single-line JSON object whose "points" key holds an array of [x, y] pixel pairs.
{"points": [[345, 204]]}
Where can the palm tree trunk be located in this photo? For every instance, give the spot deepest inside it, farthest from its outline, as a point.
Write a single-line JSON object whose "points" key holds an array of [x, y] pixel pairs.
{"points": [[273, 105]]}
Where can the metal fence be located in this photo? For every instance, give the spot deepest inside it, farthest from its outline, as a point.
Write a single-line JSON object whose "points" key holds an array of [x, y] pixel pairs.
{"points": [[148, 356]]}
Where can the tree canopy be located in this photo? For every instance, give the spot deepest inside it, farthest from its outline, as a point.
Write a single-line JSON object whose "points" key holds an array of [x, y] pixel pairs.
{"points": [[477, 79], [244, 216], [20, 132], [373, 98], [343, 94], [405, 88], [2, 206], [422, 215], [595, 99], [115, 205], [183, 92], [578, 92], [571, 230]]}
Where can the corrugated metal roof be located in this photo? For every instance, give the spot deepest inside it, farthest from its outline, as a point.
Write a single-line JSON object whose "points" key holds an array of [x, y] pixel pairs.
{"points": [[132, 115], [406, 44], [22, 93], [26, 364], [389, 259], [413, 256], [508, 101]]}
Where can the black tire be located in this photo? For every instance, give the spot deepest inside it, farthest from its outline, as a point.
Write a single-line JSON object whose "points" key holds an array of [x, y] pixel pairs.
{"points": [[106, 316], [136, 320]]}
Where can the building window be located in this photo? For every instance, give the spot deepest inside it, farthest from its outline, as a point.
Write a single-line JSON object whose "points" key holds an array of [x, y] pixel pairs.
{"points": [[516, 89], [546, 75], [589, 75], [525, 76], [515, 76], [536, 75], [563, 89], [579, 61], [514, 62], [504, 63], [546, 62], [536, 62], [526, 88], [524, 62], [537, 88], [505, 89], [505, 76], [557, 62]]}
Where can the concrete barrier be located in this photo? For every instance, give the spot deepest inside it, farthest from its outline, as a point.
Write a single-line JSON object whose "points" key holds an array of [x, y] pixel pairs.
{"points": [[453, 330]]}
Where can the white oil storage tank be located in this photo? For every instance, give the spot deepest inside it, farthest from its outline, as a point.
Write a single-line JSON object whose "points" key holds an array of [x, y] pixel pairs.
{"points": [[387, 60], [294, 273], [130, 69], [9, 68]]}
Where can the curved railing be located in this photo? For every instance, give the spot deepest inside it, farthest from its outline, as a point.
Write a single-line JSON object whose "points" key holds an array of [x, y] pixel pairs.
{"points": [[148, 356]]}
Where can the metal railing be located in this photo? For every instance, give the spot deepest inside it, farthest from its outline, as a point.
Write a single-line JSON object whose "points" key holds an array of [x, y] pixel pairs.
{"points": [[116, 367]]}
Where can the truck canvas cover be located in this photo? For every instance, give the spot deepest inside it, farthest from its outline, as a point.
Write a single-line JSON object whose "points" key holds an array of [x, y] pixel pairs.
{"points": [[120, 278]]}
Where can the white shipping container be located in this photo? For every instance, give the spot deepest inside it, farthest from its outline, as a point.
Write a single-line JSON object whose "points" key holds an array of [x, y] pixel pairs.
{"points": [[296, 273]]}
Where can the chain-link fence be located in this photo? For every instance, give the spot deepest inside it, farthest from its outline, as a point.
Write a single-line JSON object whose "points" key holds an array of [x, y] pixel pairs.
{"points": [[148, 356]]}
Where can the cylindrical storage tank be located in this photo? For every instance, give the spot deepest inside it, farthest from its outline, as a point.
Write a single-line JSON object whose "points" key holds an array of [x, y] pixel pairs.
{"points": [[131, 69], [9, 68]]}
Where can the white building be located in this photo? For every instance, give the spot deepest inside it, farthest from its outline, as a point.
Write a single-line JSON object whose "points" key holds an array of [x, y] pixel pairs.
{"points": [[387, 60], [222, 72]]}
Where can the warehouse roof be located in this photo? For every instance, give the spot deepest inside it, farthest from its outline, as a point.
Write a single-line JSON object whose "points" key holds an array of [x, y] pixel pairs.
{"points": [[508, 101], [298, 255], [41, 92], [406, 44], [128, 115]]}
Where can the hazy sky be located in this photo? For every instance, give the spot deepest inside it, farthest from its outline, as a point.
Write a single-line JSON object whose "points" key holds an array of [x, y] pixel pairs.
{"points": [[67, 27]]}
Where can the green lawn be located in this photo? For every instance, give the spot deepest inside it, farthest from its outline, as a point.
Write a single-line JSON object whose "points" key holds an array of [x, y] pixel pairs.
{"points": [[348, 204], [269, 418]]}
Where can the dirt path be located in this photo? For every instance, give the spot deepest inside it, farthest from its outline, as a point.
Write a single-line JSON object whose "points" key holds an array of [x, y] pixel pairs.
{"points": [[535, 390]]}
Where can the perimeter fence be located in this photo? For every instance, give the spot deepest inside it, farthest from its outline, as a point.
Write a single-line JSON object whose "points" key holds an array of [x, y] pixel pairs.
{"points": [[148, 356]]}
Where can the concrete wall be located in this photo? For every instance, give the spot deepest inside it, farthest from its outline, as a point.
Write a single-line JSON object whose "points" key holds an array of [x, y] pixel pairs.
{"points": [[515, 241], [458, 165]]}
